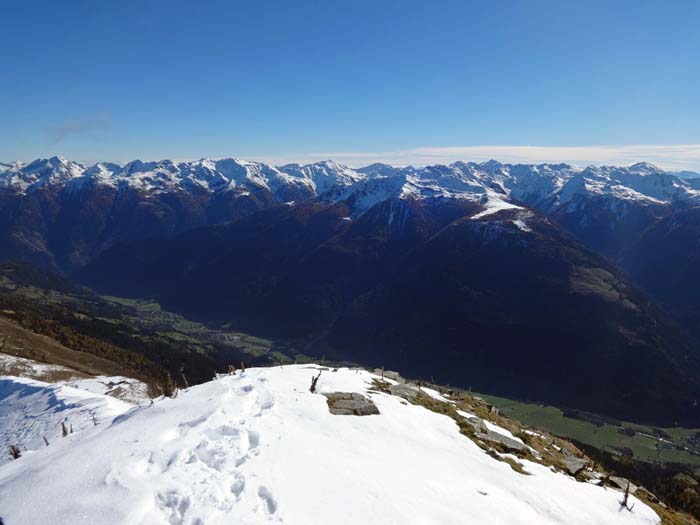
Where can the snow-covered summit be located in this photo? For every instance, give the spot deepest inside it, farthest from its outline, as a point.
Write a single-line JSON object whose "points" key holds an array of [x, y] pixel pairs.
{"points": [[39, 173], [542, 186], [259, 447]]}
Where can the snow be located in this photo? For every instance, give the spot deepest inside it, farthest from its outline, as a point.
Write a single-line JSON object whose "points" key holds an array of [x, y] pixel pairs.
{"points": [[492, 426], [500, 430], [522, 226], [497, 186], [33, 410], [23, 367], [435, 394], [258, 447], [124, 388], [494, 204]]}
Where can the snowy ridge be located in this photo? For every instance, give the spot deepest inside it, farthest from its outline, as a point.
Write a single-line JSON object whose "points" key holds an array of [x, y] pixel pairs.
{"points": [[39, 173], [124, 388], [494, 185], [31, 411], [258, 447]]}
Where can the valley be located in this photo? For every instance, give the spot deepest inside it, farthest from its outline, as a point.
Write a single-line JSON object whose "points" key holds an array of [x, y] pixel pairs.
{"points": [[414, 268]]}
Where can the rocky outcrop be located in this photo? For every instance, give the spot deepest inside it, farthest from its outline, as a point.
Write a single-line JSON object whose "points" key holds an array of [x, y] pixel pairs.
{"points": [[483, 432], [408, 392], [622, 483], [389, 374], [575, 465], [350, 404]]}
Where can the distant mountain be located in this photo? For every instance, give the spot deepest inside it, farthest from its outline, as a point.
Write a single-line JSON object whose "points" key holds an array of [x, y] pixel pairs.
{"points": [[665, 260], [466, 267], [61, 214], [687, 174], [501, 300]]}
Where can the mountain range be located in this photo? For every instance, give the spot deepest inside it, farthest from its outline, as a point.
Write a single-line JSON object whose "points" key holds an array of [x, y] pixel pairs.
{"points": [[550, 282]]}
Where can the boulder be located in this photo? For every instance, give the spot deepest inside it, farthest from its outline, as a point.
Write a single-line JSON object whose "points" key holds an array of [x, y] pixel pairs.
{"points": [[575, 465], [389, 374], [350, 404], [395, 376], [485, 434], [621, 483], [405, 391]]}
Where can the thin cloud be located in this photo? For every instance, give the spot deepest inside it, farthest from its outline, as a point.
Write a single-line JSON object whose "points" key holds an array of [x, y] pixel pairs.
{"points": [[667, 156], [87, 125]]}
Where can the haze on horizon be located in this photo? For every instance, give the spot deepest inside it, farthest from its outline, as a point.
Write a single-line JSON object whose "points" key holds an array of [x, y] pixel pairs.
{"points": [[402, 82]]}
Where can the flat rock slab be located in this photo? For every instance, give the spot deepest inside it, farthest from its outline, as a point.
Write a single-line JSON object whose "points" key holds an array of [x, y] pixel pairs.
{"points": [[484, 433], [575, 465], [350, 404], [622, 483], [389, 374], [408, 392]]}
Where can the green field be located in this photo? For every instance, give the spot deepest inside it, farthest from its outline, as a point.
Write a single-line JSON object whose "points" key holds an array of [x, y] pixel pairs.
{"points": [[645, 443]]}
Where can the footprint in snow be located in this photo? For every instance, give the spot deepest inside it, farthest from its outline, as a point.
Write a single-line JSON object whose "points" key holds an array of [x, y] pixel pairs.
{"points": [[267, 499], [175, 505], [238, 485]]}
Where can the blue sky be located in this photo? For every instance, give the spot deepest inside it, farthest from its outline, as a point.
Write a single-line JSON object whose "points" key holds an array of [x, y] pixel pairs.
{"points": [[359, 81]]}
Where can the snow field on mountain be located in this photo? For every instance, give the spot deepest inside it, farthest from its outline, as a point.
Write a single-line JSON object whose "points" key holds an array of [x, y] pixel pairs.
{"points": [[496, 186], [258, 447]]}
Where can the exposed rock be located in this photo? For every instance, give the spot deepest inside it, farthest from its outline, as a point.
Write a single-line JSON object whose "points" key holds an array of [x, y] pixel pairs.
{"points": [[405, 391], [589, 475], [389, 374], [649, 495], [350, 404], [621, 483], [485, 434], [394, 375], [575, 465]]}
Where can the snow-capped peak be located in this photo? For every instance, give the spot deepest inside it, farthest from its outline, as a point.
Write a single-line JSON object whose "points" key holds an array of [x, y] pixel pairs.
{"points": [[644, 168], [40, 173], [542, 186]]}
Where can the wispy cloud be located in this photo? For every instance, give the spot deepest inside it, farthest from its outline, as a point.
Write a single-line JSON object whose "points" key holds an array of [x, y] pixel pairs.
{"points": [[667, 156], [86, 125]]}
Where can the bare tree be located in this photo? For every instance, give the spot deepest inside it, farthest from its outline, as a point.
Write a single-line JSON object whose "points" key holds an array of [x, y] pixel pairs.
{"points": [[184, 378], [169, 388], [314, 380], [46, 441], [625, 503], [64, 430]]}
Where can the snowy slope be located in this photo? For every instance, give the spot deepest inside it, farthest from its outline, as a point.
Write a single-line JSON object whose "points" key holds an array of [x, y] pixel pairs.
{"points": [[124, 388], [258, 447], [32, 410]]}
